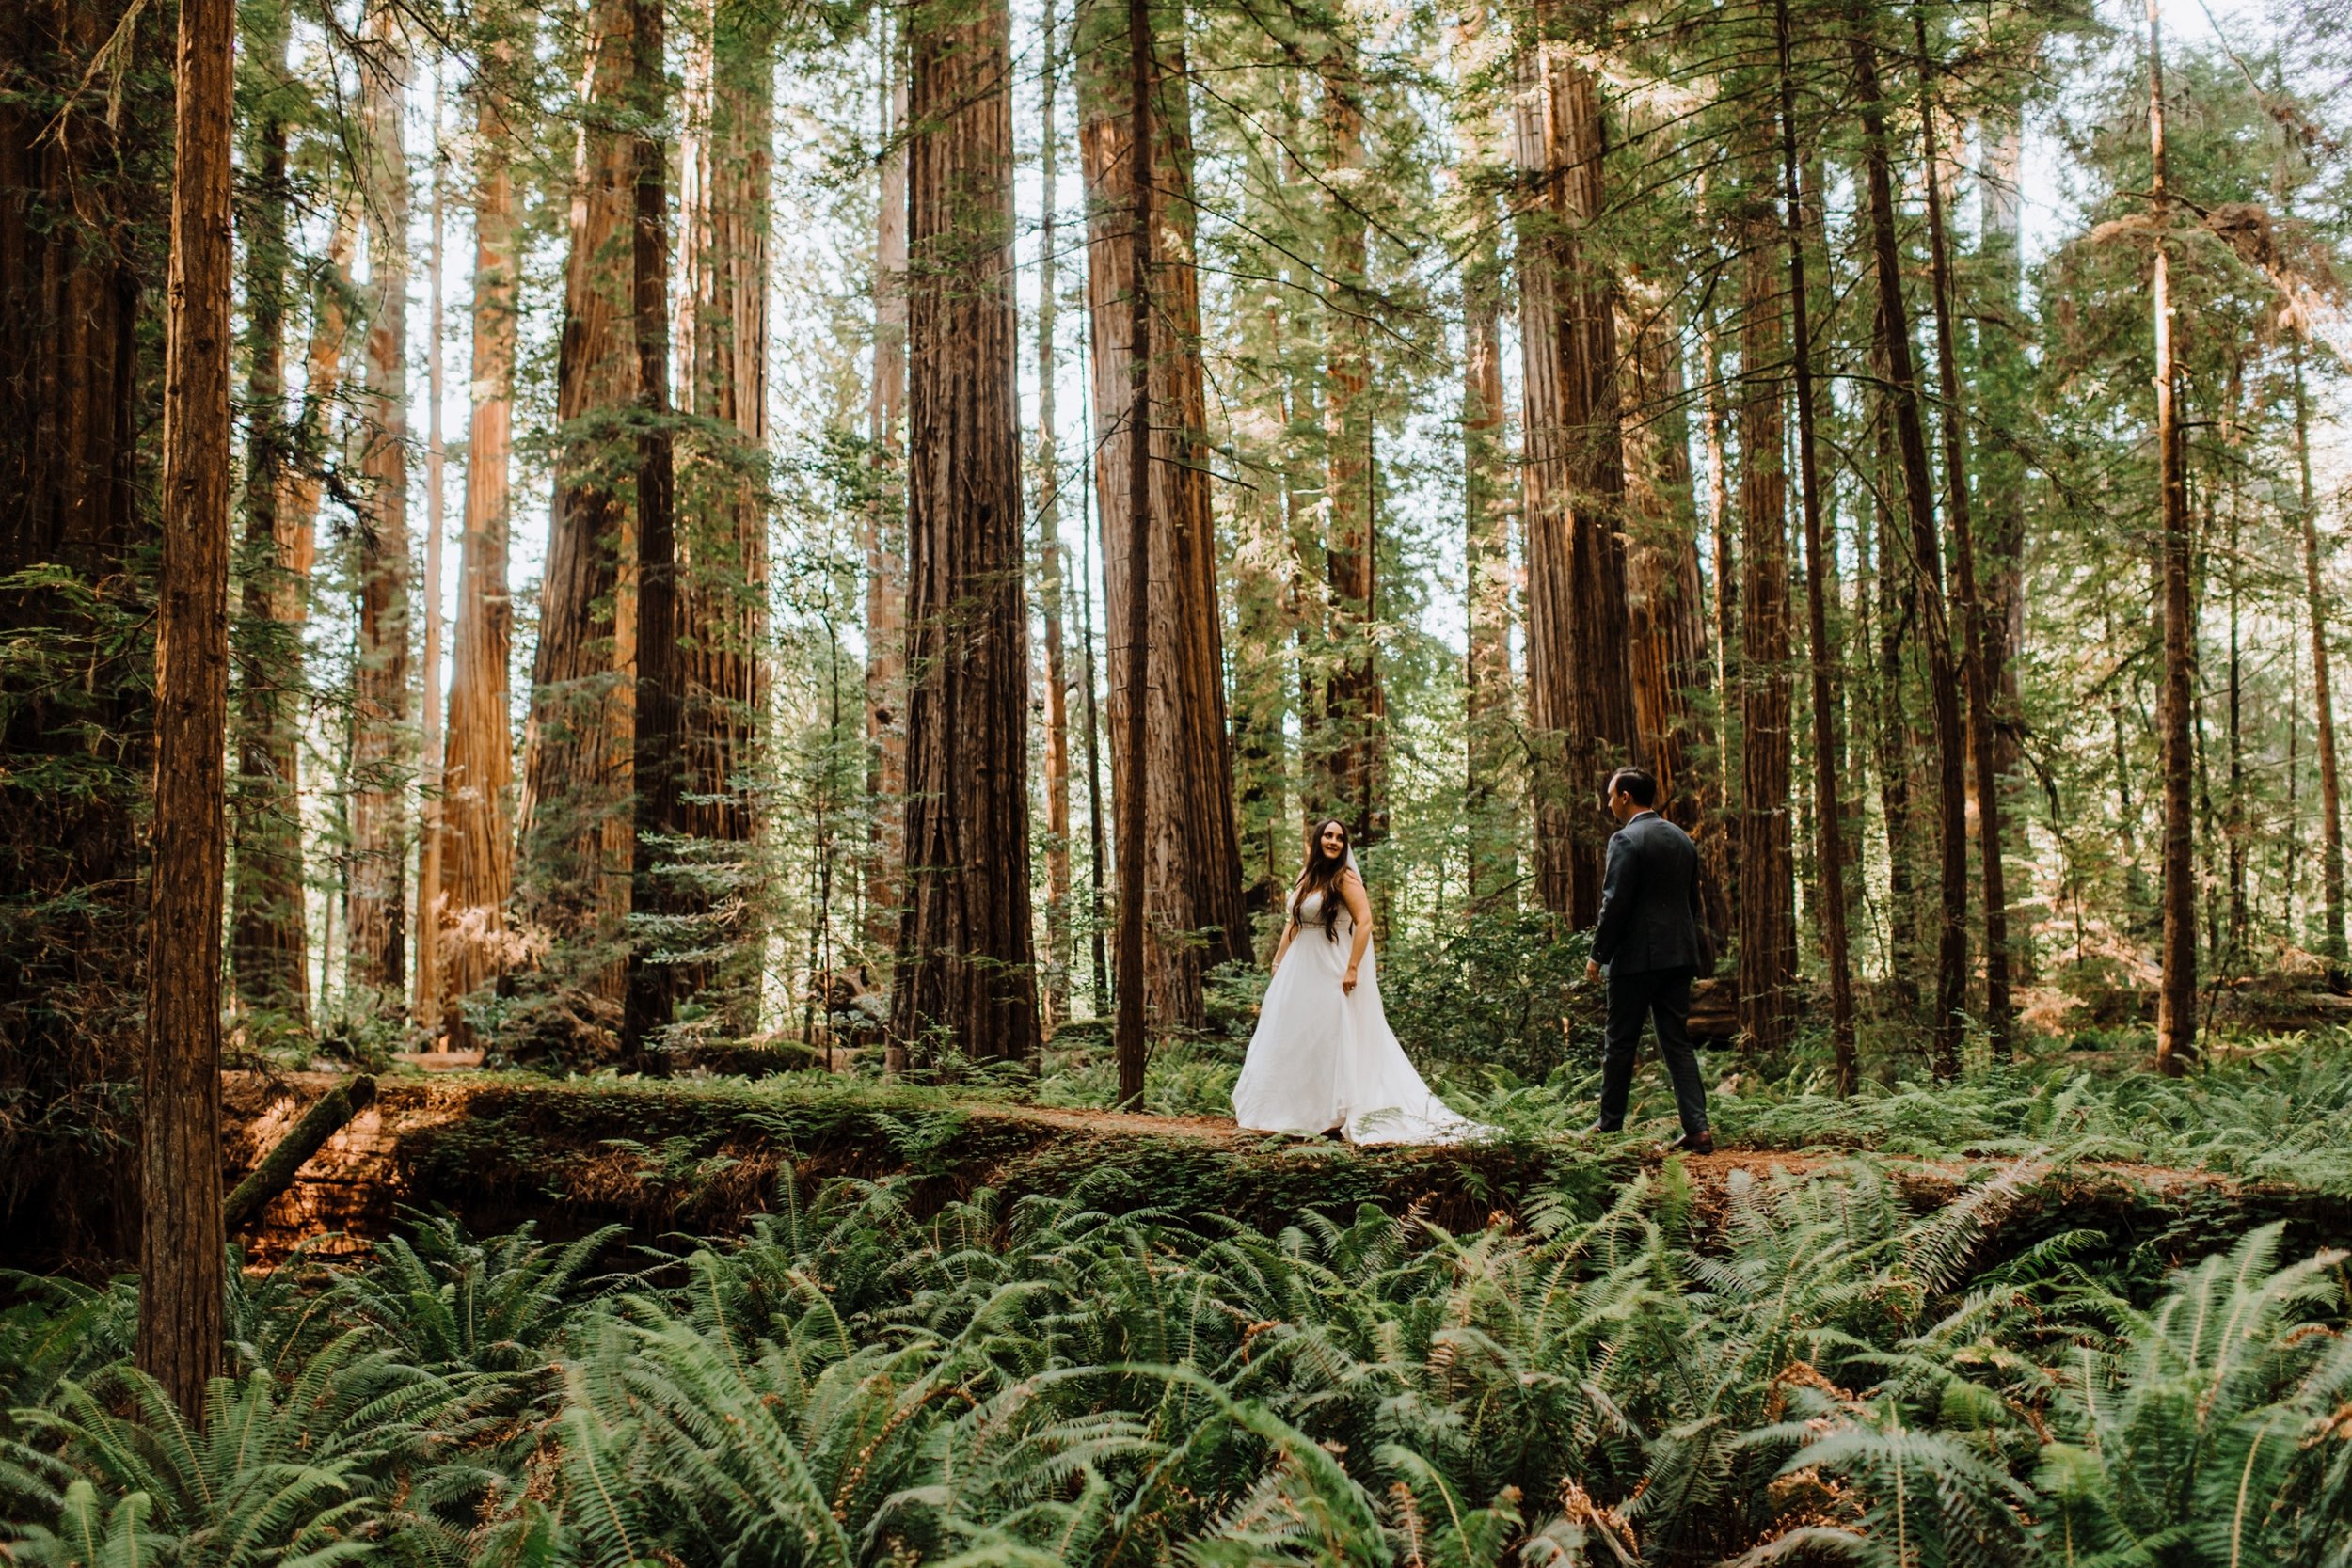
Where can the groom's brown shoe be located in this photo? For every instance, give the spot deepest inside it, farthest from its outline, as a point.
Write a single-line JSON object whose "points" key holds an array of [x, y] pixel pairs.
{"points": [[1701, 1142]]}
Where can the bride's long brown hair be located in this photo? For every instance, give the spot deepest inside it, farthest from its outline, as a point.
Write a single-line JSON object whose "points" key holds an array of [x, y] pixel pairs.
{"points": [[1322, 875]]}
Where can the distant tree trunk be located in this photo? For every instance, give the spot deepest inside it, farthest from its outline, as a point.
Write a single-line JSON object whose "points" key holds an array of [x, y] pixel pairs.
{"points": [[653, 769], [580, 744], [1491, 822], [1580, 688], [964, 964], [1096, 853], [1767, 867], [1894, 741], [1980, 643], [2176, 993], [2316, 606], [376, 913], [2002, 377], [268, 945], [84, 205], [885, 526], [1059, 950], [1193, 915], [723, 542], [428, 977], [179, 1251], [1819, 579], [477, 770], [2234, 826], [1894, 337]]}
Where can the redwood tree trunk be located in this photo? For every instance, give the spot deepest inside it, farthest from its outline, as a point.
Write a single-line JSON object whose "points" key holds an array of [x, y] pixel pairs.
{"points": [[180, 1249], [1192, 841], [886, 522], [1894, 337], [1579, 684], [477, 771], [1492, 824], [1058, 949], [580, 742], [2315, 605], [964, 975], [375, 912]]}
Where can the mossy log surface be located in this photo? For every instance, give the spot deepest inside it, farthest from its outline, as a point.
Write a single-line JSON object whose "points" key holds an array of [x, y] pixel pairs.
{"points": [[698, 1157]]}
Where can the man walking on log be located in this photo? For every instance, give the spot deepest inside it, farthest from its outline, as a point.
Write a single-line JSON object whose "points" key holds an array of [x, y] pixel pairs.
{"points": [[1647, 940]]}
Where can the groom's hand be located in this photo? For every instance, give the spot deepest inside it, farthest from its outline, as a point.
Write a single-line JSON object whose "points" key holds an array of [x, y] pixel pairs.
{"points": [[1592, 973]]}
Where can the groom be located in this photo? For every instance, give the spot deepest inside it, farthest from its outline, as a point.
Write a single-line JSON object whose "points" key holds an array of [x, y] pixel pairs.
{"points": [[1648, 940]]}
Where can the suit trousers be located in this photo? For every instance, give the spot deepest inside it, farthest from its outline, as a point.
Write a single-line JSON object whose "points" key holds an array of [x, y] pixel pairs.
{"points": [[1664, 997]]}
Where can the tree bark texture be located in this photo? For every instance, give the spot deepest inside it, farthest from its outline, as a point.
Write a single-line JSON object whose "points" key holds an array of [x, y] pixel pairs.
{"points": [[579, 747], [885, 524], [428, 902], [376, 913], [181, 1280], [1492, 823], [1927, 563], [965, 976], [477, 770], [723, 538], [1580, 685], [1058, 949], [83, 224], [1767, 866], [267, 944], [654, 770], [1193, 912]]}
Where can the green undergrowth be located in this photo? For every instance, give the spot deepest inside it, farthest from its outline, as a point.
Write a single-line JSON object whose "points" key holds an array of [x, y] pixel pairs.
{"points": [[1802, 1370]]}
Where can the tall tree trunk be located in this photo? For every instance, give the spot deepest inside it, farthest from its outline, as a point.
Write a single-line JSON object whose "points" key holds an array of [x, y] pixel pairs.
{"points": [[1193, 912], [1819, 575], [885, 528], [1096, 853], [1354, 732], [180, 1281], [376, 913], [477, 768], [1135, 869], [722, 539], [1894, 337], [1059, 951], [2316, 606], [268, 945], [2176, 992], [580, 744], [1580, 688], [964, 964], [656, 815], [1766, 859], [1493, 826], [1894, 741], [428, 980], [2002, 378], [1980, 643]]}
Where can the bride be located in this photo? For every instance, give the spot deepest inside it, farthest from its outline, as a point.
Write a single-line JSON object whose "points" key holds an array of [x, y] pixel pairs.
{"points": [[1322, 1059]]}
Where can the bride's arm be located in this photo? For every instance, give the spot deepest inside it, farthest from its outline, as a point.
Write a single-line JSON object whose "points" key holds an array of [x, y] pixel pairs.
{"points": [[1359, 910], [1290, 929]]}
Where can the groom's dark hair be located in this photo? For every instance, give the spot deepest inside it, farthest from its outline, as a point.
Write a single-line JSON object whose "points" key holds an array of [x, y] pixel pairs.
{"points": [[1635, 781]]}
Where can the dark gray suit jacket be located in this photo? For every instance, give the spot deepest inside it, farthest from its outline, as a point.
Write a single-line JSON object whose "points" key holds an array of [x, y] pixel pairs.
{"points": [[1649, 906]]}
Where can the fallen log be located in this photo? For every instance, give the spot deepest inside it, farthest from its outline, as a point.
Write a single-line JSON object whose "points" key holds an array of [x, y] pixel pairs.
{"points": [[275, 1171]]}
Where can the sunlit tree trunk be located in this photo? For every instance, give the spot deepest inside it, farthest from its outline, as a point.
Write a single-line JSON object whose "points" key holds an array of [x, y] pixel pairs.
{"points": [[1059, 950], [1580, 687], [579, 745], [964, 975], [2315, 607], [477, 770], [1193, 913], [375, 912], [180, 1281], [428, 913], [268, 948], [1491, 822], [885, 518]]}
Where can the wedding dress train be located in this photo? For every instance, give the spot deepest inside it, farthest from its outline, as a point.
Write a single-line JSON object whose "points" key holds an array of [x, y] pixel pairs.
{"points": [[1323, 1058]]}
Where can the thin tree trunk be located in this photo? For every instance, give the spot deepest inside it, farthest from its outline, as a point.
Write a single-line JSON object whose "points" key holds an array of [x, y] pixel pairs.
{"points": [[180, 1248], [580, 744], [650, 1002], [1134, 872], [1894, 336], [1491, 823], [477, 771], [375, 920], [428, 980], [1895, 741], [1828, 815], [1096, 853], [2233, 810], [2316, 606], [723, 531], [1058, 952], [964, 972], [1580, 687], [2176, 993], [268, 945], [885, 529], [1980, 643], [2002, 376], [1194, 916]]}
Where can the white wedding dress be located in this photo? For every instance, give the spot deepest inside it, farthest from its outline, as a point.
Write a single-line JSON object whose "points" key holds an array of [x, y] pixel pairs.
{"points": [[1322, 1057]]}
